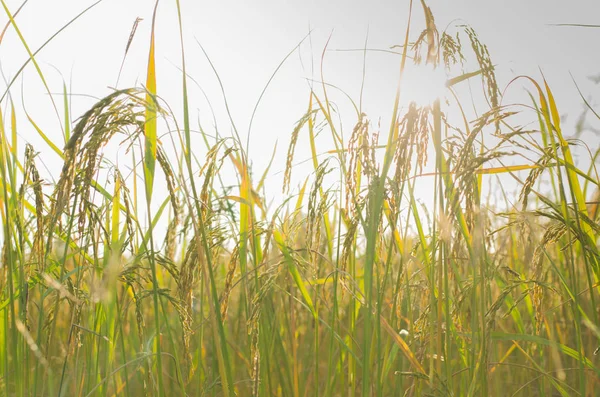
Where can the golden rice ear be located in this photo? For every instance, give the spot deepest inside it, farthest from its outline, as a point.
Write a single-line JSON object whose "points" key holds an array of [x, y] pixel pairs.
{"points": [[359, 135], [170, 238], [32, 178], [534, 174], [451, 50], [487, 67], [111, 115], [292, 148], [231, 268], [432, 36]]}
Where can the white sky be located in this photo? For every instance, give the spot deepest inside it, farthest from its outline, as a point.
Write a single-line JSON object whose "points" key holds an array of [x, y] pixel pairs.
{"points": [[246, 40]]}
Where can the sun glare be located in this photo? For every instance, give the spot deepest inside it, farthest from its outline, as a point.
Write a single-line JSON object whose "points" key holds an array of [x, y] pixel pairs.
{"points": [[423, 84]]}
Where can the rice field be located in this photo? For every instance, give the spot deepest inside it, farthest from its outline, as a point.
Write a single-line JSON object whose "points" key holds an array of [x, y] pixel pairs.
{"points": [[173, 273]]}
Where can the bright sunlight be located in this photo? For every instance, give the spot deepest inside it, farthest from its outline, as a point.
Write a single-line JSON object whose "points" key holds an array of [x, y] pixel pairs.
{"points": [[423, 84]]}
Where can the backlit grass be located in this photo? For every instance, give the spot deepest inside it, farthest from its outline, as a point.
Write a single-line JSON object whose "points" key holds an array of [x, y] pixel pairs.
{"points": [[158, 276]]}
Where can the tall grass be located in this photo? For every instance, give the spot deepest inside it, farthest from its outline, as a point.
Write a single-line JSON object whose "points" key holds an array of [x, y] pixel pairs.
{"points": [[350, 289]]}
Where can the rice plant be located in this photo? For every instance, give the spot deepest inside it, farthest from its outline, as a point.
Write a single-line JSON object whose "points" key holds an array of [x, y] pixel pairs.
{"points": [[159, 276]]}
